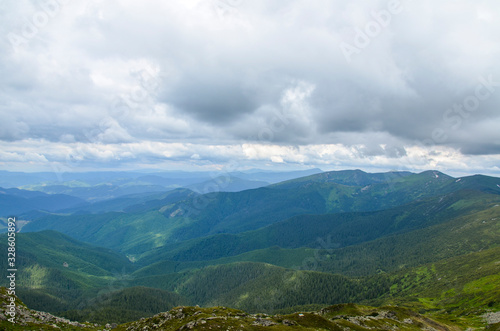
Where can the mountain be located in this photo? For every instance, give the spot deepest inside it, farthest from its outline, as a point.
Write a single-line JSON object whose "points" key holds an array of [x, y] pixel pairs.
{"points": [[333, 230], [273, 176], [100, 192], [133, 202], [346, 177], [456, 236], [236, 212], [14, 201], [226, 184], [10, 179], [402, 242]]}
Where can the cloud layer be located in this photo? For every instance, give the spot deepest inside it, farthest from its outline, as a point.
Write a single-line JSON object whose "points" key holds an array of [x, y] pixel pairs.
{"points": [[372, 84]]}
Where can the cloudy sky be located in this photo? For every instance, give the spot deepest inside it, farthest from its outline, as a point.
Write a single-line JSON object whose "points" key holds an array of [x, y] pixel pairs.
{"points": [[274, 84]]}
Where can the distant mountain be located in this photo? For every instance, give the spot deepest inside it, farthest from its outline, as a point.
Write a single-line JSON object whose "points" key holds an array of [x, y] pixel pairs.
{"points": [[273, 176], [102, 191], [105, 185], [133, 202], [164, 178], [226, 184], [346, 177], [10, 179], [14, 201]]}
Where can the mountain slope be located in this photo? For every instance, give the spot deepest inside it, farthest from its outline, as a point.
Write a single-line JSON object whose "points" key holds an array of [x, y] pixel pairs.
{"points": [[461, 283], [461, 235], [345, 177], [340, 230], [259, 287], [226, 212], [56, 271], [337, 317], [52, 249], [125, 305]]}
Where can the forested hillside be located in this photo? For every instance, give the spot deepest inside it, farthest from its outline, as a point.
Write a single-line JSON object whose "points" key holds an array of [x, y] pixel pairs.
{"points": [[427, 242]]}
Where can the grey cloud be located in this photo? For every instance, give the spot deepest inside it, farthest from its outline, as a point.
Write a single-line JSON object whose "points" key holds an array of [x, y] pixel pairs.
{"points": [[215, 101], [224, 75]]}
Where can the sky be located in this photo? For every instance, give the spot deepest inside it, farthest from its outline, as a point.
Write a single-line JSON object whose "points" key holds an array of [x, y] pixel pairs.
{"points": [[239, 84]]}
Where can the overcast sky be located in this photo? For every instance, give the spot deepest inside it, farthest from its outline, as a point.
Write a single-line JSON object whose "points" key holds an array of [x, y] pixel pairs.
{"points": [[275, 84]]}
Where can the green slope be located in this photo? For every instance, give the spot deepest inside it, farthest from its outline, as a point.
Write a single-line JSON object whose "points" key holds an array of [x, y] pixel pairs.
{"points": [[287, 258], [125, 305], [337, 317], [159, 222], [467, 292], [56, 271], [461, 235], [461, 289], [259, 287], [345, 177], [52, 249], [328, 231], [476, 230]]}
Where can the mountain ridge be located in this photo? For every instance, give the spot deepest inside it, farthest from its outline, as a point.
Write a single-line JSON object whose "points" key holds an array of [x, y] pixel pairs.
{"points": [[304, 244]]}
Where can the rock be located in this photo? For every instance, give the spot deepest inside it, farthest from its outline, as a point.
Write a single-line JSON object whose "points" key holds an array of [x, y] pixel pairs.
{"points": [[263, 322], [188, 326], [492, 318], [288, 322]]}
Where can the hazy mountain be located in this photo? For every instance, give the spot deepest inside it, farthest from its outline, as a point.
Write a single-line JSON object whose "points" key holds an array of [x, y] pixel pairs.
{"points": [[102, 191], [14, 201], [226, 184]]}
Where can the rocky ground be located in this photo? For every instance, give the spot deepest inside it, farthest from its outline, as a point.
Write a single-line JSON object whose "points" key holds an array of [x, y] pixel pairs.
{"points": [[28, 319], [338, 317]]}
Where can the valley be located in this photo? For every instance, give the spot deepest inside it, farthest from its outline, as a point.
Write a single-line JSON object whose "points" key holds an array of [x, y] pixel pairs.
{"points": [[342, 248]]}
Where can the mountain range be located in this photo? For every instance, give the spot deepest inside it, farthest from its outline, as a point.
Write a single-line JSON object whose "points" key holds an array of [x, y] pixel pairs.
{"points": [[426, 244]]}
